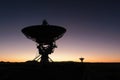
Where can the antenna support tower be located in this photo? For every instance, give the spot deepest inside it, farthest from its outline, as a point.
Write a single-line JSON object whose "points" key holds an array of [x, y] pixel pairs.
{"points": [[45, 36]]}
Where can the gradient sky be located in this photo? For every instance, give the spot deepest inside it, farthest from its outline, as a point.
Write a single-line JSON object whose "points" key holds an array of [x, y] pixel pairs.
{"points": [[93, 29]]}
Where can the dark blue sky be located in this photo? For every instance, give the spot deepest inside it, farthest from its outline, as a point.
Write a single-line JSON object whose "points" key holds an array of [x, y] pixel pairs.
{"points": [[93, 26]]}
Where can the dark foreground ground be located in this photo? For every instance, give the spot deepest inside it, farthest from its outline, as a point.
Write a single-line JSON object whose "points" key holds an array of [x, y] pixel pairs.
{"points": [[60, 71]]}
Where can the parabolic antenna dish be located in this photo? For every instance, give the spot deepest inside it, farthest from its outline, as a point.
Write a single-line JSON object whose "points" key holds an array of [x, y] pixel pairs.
{"points": [[44, 33]]}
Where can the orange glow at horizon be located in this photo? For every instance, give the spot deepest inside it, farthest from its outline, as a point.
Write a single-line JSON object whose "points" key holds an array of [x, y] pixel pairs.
{"points": [[59, 56], [27, 52]]}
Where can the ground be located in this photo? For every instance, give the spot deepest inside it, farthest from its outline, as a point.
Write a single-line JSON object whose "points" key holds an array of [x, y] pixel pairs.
{"points": [[59, 71]]}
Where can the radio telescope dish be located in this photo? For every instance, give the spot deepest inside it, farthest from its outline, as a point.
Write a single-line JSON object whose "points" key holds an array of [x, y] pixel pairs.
{"points": [[45, 35]]}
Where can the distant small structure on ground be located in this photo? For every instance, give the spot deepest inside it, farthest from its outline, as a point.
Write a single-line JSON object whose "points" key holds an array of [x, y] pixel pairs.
{"points": [[81, 59]]}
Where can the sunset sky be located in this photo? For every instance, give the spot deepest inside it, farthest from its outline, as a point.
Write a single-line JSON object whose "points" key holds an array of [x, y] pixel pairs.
{"points": [[93, 29]]}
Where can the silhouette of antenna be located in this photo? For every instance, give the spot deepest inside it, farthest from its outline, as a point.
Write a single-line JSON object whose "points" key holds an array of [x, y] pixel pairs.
{"points": [[45, 36], [81, 59]]}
